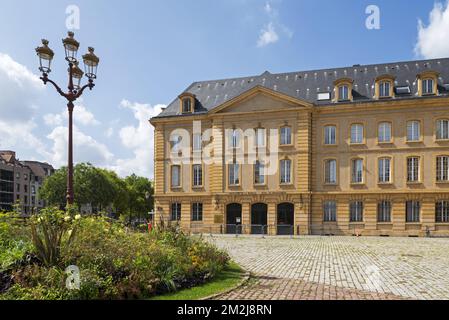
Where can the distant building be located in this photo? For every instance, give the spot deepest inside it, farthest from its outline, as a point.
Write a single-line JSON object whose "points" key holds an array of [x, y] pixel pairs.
{"points": [[20, 182]]}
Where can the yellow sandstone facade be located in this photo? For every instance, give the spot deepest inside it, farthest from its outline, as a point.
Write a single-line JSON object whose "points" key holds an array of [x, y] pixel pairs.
{"points": [[374, 166]]}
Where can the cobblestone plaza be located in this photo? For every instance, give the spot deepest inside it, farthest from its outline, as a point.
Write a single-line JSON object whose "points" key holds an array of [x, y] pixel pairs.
{"points": [[313, 267]]}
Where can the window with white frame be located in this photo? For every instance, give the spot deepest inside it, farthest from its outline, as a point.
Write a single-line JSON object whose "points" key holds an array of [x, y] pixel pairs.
{"points": [[234, 174], [175, 176], [197, 211], [286, 165], [384, 134], [413, 130], [357, 170], [343, 93], [356, 211], [330, 135], [357, 133], [384, 89], [259, 173], [197, 175], [197, 142], [443, 129], [413, 169], [330, 171], [427, 86], [384, 211], [442, 211], [286, 136], [384, 170], [260, 137], [443, 168], [175, 212], [330, 211], [412, 209]]}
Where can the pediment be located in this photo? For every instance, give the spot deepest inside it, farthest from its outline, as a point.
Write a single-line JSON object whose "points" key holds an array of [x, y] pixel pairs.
{"points": [[261, 99]]}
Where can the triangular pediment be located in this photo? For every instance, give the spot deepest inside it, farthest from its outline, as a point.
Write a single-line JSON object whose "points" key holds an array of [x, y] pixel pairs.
{"points": [[261, 99]]}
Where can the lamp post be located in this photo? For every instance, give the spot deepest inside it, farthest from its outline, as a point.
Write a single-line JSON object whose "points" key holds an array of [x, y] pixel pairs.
{"points": [[75, 90]]}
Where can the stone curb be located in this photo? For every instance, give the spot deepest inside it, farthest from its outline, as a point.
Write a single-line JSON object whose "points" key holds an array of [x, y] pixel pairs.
{"points": [[242, 282]]}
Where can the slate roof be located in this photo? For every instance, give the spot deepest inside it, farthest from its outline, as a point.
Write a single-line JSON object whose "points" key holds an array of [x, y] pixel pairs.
{"points": [[305, 85]]}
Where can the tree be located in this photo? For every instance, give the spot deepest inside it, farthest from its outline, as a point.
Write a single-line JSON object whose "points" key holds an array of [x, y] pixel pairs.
{"points": [[140, 191]]}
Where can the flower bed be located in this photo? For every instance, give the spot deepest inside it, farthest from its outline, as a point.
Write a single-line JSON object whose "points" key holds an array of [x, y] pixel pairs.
{"points": [[114, 262]]}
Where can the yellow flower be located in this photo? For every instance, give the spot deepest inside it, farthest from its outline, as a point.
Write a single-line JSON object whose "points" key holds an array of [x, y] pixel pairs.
{"points": [[69, 232], [77, 217], [67, 218]]}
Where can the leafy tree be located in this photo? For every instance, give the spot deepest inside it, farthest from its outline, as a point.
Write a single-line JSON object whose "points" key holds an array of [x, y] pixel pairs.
{"points": [[140, 191]]}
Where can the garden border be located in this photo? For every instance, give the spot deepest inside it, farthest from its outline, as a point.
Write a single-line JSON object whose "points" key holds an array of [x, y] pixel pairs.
{"points": [[242, 282]]}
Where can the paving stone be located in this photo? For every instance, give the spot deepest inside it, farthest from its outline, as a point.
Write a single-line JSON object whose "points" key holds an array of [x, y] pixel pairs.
{"points": [[312, 267]]}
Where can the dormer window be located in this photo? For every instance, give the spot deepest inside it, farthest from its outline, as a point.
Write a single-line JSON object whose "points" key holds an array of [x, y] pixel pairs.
{"points": [[384, 86], [343, 93], [427, 83], [343, 90], [427, 86], [384, 89], [187, 103]]}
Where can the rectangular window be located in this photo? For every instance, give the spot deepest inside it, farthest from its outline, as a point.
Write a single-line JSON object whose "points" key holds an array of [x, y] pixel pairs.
{"points": [[330, 135], [175, 176], [413, 130], [384, 89], [443, 129], [413, 169], [330, 211], [356, 211], [330, 171], [384, 170], [384, 134], [197, 175], [357, 171], [442, 211], [197, 212], [343, 93], [357, 133], [186, 105], [286, 171], [259, 173], [427, 86], [260, 137], [384, 211], [443, 168], [234, 175], [286, 136], [175, 212], [18, 187], [412, 209], [25, 188], [197, 142]]}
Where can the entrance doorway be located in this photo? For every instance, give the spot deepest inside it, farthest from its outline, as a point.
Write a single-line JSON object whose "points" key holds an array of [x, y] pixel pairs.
{"points": [[259, 218], [234, 218], [285, 221]]}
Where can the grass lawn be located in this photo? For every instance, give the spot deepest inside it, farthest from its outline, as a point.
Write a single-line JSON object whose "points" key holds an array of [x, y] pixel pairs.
{"points": [[227, 279]]}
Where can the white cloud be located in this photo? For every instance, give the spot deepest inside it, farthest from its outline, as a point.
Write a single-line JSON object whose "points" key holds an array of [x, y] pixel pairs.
{"points": [[138, 140], [267, 36], [433, 40], [20, 89], [109, 132], [80, 116], [85, 148]]}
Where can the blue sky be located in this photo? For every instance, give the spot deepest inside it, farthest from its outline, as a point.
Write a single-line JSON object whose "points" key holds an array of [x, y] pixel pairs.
{"points": [[152, 50]]}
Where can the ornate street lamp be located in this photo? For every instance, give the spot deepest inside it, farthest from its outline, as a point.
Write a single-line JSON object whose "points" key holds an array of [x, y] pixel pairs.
{"points": [[75, 90]]}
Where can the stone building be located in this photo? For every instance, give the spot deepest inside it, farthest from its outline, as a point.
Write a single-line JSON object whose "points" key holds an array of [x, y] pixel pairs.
{"points": [[355, 150], [20, 182]]}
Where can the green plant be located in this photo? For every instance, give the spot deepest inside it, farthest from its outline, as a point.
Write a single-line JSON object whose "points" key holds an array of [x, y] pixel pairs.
{"points": [[52, 231]]}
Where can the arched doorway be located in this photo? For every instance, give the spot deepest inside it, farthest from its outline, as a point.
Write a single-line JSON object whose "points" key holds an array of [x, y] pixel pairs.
{"points": [[234, 218], [259, 218], [286, 218]]}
